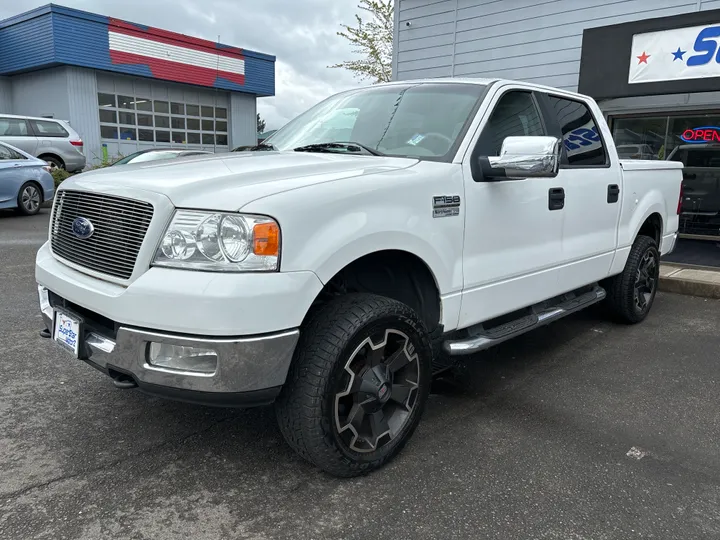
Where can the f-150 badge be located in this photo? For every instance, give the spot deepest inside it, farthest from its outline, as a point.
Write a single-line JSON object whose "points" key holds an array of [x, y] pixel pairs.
{"points": [[446, 206]]}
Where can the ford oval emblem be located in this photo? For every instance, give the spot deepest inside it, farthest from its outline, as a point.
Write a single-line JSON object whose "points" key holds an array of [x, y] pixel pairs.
{"points": [[82, 228]]}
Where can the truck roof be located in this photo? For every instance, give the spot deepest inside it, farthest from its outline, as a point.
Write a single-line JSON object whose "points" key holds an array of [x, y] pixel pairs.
{"points": [[487, 81]]}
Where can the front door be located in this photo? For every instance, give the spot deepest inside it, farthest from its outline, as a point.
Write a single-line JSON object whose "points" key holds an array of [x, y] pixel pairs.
{"points": [[512, 245], [592, 191]]}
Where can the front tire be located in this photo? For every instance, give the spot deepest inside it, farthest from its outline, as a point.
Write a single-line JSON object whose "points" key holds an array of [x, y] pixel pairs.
{"points": [[630, 295], [358, 384]]}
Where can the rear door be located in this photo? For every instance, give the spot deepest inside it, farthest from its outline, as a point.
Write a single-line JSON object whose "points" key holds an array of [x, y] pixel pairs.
{"points": [[17, 132], [592, 191], [11, 173]]}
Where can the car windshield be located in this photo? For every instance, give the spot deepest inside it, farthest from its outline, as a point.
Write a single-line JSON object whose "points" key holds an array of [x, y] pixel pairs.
{"points": [[414, 120], [140, 157]]}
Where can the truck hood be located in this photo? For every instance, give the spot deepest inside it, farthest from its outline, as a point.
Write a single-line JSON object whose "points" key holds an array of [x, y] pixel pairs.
{"points": [[230, 181]]}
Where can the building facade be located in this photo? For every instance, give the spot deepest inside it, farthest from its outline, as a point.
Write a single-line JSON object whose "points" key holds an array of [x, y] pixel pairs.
{"points": [[125, 86], [651, 64]]}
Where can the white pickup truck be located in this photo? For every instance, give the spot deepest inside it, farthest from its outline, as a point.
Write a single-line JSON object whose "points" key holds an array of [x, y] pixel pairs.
{"points": [[363, 248]]}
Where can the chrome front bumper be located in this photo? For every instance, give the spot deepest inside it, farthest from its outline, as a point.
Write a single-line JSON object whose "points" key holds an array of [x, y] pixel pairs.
{"points": [[249, 369]]}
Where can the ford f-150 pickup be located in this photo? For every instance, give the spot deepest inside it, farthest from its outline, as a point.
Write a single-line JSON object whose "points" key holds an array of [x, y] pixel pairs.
{"points": [[360, 250]]}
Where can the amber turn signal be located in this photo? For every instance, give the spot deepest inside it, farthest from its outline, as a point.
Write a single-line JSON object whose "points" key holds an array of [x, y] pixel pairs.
{"points": [[266, 239]]}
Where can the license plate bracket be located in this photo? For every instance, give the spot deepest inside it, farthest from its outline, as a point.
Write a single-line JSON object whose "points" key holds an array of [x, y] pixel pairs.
{"points": [[67, 331]]}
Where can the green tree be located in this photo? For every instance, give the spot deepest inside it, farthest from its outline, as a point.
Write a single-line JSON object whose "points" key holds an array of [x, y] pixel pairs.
{"points": [[373, 40], [260, 124]]}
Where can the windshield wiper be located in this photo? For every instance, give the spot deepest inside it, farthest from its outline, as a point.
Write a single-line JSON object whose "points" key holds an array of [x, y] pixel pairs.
{"points": [[341, 146], [262, 147]]}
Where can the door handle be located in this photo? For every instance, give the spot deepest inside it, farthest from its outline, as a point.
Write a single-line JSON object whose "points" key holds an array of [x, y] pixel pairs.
{"points": [[556, 198], [613, 193], [689, 176]]}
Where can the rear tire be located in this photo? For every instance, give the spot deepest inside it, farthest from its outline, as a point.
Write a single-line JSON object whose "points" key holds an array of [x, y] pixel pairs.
{"points": [[29, 199], [358, 384], [57, 162], [630, 295]]}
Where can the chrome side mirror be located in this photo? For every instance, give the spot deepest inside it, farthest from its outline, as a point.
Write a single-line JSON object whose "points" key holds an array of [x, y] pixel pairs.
{"points": [[523, 157]]}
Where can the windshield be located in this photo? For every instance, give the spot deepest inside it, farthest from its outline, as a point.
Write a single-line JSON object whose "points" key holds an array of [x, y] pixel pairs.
{"points": [[414, 120], [140, 157]]}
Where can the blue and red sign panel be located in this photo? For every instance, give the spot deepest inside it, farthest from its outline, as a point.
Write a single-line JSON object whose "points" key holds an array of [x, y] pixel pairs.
{"points": [[85, 39]]}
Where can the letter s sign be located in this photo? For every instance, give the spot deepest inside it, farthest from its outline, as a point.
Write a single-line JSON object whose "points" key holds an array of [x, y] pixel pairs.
{"points": [[705, 43]]}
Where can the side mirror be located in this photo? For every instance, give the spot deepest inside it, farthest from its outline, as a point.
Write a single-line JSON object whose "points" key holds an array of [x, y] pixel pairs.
{"points": [[523, 157]]}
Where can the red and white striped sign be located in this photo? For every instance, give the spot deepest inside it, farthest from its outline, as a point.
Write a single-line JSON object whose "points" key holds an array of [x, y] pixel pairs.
{"points": [[174, 57]]}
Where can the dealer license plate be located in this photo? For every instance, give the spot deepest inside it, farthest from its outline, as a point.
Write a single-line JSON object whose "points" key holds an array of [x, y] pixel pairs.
{"points": [[67, 331]]}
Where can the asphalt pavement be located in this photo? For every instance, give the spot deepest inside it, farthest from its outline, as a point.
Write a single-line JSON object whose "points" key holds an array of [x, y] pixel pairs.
{"points": [[581, 430]]}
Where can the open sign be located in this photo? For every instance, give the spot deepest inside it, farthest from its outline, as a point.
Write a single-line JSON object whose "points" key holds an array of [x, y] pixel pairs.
{"points": [[701, 134]]}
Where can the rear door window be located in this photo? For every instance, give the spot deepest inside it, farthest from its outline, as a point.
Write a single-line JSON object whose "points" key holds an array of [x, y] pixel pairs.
{"points": [[582, 140], [14, 127], [9, 154], [45, 128], [703, 157]]}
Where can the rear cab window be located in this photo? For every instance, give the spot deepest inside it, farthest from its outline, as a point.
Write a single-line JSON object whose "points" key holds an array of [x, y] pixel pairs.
{"points": [[47, 128], [583, 144], [703, 158]]}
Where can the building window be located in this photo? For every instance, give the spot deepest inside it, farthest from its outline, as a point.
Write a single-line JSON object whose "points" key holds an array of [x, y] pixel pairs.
{"points": [[109, 132], [106, 100], [109, 117], [159, 121], [126, 102], [127, 118], [162, 107]]}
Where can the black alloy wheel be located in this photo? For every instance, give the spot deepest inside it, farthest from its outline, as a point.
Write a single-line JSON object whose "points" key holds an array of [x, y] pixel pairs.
{"points": [[646, 280], [378, 392]]}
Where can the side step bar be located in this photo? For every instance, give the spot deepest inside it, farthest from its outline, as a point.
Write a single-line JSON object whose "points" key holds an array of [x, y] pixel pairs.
{"points": [[484, 339]]}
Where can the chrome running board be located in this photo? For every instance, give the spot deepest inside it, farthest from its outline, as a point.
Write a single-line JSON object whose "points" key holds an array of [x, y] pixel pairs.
{"points": [[482, 339]]}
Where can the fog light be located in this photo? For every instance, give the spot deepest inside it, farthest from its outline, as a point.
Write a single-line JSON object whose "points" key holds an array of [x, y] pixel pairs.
{"points": [[181, 358]]}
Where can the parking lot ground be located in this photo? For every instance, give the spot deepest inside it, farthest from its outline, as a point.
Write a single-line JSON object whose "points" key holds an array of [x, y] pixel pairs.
{"points": [[581, 430]]}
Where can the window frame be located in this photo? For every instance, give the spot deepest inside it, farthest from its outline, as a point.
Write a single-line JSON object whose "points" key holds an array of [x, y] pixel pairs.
{"points": [[475, 154], [39, 134], [12, 152], [556, 130], [30, 132]]}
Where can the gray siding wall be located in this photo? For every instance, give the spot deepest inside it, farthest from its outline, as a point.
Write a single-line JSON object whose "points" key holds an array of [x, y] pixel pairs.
{"points": [[41, 93], [83, 110], [531, 40], [243, 120], [5, 95]]}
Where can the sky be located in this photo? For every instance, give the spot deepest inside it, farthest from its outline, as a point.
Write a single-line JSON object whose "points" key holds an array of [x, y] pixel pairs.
{"points": [[300, 33]]}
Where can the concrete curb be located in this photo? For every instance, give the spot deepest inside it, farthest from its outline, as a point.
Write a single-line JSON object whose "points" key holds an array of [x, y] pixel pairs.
{"points": [[690, 281]]}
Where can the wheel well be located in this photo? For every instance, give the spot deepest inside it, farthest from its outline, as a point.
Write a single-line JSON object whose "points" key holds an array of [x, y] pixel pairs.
{"points": [[53, 156], [395, 274], [652, 227]]}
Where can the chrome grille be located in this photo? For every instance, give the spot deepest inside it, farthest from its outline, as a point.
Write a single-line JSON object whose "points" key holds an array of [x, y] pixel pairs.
{"points": [[119, 225]]}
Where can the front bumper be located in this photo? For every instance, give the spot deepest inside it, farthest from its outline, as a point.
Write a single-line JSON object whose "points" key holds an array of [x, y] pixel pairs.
{"points": [[250, 370]]}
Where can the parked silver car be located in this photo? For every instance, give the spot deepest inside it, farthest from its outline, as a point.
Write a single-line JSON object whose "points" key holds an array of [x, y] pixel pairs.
{"points": [[49, 139]]}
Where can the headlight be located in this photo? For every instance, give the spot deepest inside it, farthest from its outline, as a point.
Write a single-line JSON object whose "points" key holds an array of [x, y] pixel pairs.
{"points": [[220, 242]]}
